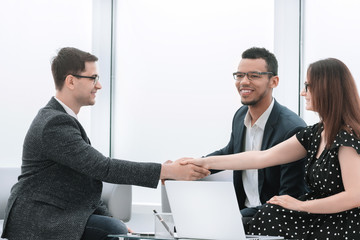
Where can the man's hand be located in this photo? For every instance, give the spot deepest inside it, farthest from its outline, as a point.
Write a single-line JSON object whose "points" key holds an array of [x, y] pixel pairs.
{"points": [[176, 170]]}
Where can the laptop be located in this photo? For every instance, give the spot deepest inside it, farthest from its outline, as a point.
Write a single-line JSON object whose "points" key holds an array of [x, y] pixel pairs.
{"points": [[206, 210]]}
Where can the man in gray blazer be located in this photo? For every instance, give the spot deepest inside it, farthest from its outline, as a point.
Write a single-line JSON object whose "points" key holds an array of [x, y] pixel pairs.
{"points": [[258, 125], [58, 192]]}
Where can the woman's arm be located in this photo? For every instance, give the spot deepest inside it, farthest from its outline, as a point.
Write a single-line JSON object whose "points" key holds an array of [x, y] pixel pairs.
{"points": [[348, 199], [285, 152]]}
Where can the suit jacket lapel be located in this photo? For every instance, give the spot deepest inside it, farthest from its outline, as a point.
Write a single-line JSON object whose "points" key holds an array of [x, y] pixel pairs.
{"points": [[54, 104], [269, 129], [268, 132], [83, 133], [242, 134]]}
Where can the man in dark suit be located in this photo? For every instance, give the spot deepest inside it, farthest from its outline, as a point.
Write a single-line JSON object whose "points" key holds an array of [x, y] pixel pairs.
{"points": [[260, 124], [58, 192]]}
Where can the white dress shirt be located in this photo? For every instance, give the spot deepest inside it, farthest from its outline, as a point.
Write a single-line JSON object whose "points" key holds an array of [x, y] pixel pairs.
{"points": [[253, 141], [67, 109]]}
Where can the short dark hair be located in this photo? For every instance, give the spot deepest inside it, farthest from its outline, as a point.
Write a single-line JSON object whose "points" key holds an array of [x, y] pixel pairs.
{"points": [[270, 59], [69, 60]]}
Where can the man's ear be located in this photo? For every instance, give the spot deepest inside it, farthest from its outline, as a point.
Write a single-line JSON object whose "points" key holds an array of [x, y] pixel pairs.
{"points": [[69, 82], [274, 81]]}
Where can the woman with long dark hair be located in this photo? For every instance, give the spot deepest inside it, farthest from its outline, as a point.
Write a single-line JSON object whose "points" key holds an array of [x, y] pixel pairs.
{"points": [[330, 210]]}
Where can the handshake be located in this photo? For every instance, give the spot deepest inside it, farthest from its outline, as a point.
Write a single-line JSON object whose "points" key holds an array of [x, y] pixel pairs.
{"points": [[184, 169]]}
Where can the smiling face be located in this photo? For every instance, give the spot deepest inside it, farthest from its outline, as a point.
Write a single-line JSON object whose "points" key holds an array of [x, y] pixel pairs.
{"points": [[256, 92], [305, 92], [85, 90]]}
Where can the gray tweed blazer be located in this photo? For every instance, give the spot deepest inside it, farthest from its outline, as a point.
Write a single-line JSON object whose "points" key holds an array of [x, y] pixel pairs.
{"points": [[61, 180]]}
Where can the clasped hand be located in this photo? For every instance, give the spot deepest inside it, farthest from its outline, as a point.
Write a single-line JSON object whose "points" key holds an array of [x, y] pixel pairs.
{"points": [[183, 170]]}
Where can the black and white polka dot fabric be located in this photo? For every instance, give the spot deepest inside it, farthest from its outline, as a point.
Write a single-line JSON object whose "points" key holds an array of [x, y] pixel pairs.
{"points": [[323, 176]]}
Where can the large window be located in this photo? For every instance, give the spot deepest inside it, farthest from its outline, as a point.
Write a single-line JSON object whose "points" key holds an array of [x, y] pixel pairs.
{"points": [[331, 29], [31, 33], [174, 91]]}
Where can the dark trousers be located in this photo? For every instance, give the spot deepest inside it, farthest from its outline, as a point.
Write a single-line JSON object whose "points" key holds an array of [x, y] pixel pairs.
{"points": [[99, 227], [247, 215], [250, 212]]}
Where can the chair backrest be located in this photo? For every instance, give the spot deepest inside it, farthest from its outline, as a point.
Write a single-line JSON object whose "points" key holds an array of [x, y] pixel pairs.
{"points": [[8, 177], [117, 197]]}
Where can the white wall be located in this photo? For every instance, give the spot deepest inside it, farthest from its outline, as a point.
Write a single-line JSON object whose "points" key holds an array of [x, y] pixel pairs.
{"points": [[287, 42], [175, 95], [174, 91], [31, 33], [331, 29]]}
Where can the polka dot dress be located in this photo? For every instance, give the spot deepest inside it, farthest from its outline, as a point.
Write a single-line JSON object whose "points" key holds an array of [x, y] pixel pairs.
{"points": [[323, 176]]}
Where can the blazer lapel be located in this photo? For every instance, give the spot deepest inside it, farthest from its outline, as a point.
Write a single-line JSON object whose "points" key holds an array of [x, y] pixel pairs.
{"points": [[269, 129], [240, 132], [54, 104], [83, 133], [268, 132]]}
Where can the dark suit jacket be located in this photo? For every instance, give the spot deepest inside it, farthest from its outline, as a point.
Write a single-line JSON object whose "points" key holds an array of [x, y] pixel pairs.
{"points": [[61, 181], [277, 180]]}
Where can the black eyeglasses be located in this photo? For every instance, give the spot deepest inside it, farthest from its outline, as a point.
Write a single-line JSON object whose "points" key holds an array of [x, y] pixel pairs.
{"points": [[238, 76], [94, 78], [306, 86]]}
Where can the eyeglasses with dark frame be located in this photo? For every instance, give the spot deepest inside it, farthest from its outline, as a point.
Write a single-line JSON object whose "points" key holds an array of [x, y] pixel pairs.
{"points": [[238, 76], [94, 78], [306, 86]]}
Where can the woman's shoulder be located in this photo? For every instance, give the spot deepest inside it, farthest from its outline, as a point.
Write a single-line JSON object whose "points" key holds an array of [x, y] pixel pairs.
{"points": [[307, 135], [310, 130], [347, 138]]}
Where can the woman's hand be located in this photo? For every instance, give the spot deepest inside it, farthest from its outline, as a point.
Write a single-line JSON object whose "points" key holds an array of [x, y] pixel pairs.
{"points": [[182, 171], [201, 162], [287, 202]]}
